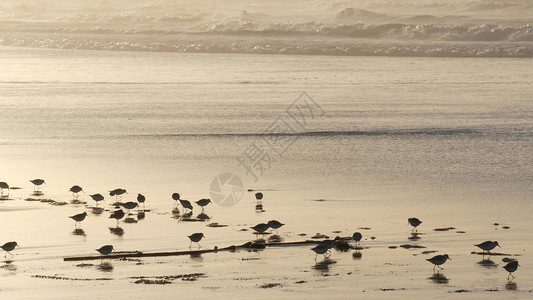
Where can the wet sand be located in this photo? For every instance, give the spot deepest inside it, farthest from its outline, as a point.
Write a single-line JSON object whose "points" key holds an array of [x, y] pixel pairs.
{"points": [[391, 261]]}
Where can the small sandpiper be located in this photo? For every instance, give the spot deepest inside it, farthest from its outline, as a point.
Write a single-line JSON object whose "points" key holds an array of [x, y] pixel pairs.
{"points": [[105, 250], [196, 237], [511, 267], [176, 197], [438, 260], [37, 183], [75, 189], [321, 249], [3, 186], [117, 214], [117, 192], [487, 246], [130, 205], [414, 222], [186, 204], [78, 218], [203, 203], [141, 198], [260, 228], [275, 224], [97, 198], [357, 236], [8, 247]]}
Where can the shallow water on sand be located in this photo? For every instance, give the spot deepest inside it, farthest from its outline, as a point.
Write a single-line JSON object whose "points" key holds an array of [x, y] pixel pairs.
{"points": [[445, 140]]}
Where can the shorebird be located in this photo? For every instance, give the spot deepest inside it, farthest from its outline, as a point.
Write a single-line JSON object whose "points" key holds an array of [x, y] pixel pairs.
{"points": [[487, 246], [186, 204], [37, 183], [275, 224], [196, 237], [130, 205], [511, 267], [75, 189], [105, 250], [321, 249], [203, 203], [3, 186], [8, 247], [176, 197], [414, 222], [97, 198], [261, 227], [258, 196], [117, 214], [141, 199], [78, 218], [357, 236], [438, 260], [117, 192]]}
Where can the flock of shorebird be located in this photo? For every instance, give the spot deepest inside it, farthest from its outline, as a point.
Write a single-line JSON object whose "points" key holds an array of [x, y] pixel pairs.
{"points": [[323, 247]]}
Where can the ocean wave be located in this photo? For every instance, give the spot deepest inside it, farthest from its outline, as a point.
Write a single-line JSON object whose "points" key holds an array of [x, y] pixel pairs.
{"points": [[352, 28], [206, 44]]}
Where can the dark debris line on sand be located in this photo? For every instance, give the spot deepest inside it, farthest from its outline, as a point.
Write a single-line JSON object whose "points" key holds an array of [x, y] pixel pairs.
{"points": [[248, 245]]}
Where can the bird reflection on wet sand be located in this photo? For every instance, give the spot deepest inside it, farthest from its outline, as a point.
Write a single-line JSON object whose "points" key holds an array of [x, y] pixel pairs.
{"points": [[118, 231], [79, 231], [203, 216], [275, 239], [415, 236], [9, 266], [97, 210], [438, 278], [105, 267], [324, 265], [511, 286], [487, 263], [357, 255]]}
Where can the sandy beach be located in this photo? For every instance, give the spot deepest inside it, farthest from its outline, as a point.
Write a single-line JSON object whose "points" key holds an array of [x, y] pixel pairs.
{"points": [[390, 261]]}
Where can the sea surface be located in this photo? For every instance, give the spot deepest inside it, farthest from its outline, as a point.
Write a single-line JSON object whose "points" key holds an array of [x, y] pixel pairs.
{"points": [[345, 115]]}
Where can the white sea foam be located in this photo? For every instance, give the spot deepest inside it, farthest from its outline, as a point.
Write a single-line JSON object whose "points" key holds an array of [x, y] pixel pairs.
{"points": [[412, 28]]}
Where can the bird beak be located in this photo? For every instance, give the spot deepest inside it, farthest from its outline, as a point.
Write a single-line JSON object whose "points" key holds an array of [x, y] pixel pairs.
{"points": [[449, 258]]}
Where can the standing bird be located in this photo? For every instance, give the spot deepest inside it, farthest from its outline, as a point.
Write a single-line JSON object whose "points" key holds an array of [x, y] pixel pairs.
{"points": [[130, 205], [261, 228], [75, 189], [275, 224], [37, 183], [203, 203], [259, 196], [438, 260], [8, 247], [511, 267], [78, 218], [97, 198], [186, 204], [487, 246], [117, 192], [3, 186], [105, 250], [321, 249], [176, 197], [414, 222], [141, 199], [196, 237], [357, 236], [117, 214]]}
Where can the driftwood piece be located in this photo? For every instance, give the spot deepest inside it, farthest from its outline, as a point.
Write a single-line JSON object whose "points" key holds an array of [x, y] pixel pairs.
{"points": [[248, 245]]}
